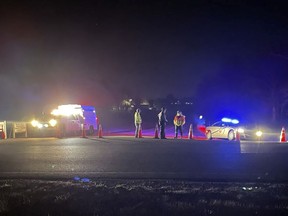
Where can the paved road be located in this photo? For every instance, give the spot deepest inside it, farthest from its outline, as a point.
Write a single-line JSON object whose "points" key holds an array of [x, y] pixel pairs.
{"points": [[126, 157]]}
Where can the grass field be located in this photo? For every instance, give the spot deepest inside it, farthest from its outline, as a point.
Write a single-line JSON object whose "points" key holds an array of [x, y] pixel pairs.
{"points": [[83, 196]]}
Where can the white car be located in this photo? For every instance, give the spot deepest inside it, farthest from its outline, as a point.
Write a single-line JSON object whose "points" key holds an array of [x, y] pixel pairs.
{"points": [[224, 129]]}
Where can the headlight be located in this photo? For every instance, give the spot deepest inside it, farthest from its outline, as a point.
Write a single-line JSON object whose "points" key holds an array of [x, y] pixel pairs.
{"points": [[240, 130], [34, 123], [259, 133], [40, 125], [53, 122]]}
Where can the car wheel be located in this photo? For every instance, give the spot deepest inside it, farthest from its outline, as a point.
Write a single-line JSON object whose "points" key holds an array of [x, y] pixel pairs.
{"points": [[209, 135], [231, 135]]}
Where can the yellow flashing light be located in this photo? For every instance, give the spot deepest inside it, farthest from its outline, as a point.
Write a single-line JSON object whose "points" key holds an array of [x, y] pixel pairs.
{"points": [[53, 122], [259, 133], [34, 123], [68, 110]]}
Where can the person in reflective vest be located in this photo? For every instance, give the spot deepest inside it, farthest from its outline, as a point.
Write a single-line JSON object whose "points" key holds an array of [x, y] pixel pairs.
{"points": [[137, 121], [179, 121]]}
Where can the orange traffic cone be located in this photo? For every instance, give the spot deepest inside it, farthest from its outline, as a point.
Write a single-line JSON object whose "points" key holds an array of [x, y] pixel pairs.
{"points": [[283, 135], [100, 131], [140, 132], [190, 134], [83, 131], [2, 135], [156, 136], [237, 138]]}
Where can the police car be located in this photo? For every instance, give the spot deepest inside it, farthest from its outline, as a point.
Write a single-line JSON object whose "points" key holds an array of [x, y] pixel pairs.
{"points": [[224, 129], [227, 129]]}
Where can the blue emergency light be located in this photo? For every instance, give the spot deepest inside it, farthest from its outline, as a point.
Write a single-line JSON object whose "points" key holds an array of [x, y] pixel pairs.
{"points": [[228, 120]]}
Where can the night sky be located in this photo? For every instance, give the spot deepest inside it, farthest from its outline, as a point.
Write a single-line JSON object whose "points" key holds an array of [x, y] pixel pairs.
{"points": [[97, 52]]}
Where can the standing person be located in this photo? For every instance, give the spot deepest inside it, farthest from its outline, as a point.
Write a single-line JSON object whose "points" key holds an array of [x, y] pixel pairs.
{"points": [[137, 121], [162, 122], [179, 121]]}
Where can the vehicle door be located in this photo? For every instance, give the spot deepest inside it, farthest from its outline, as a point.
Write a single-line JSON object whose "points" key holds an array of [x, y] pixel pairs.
{"points": [[73, 123], [225, 130], [221, 130], [216, 129]]}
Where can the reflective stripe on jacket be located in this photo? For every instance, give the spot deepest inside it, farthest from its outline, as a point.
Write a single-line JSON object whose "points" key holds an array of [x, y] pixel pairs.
{"points": [[179, 120]]}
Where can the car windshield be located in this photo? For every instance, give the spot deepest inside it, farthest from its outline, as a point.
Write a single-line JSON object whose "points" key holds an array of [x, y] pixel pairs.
{"points": [[223, 124]]}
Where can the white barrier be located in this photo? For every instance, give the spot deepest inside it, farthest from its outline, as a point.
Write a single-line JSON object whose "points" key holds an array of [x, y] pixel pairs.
{"points": [[3, 130], [19, 128]]}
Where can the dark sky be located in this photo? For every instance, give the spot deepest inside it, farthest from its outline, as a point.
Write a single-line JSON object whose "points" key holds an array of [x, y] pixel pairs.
{"points": [[96, 52]]}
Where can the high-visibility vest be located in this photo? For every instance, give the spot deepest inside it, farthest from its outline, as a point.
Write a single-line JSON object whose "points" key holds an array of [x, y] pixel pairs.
{"points": [[137, 118], [179, 120]]}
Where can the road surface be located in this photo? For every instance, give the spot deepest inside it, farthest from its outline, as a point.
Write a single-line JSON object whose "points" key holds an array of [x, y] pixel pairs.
{"points": [[127, 157]]}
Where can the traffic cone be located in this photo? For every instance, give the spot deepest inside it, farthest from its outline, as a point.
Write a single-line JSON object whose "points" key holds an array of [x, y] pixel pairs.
{"points": [[100, 131], [2, 135], [83, 131], [237, 138], [190, 134], [140, 132], [156, 136], [283, 135]]}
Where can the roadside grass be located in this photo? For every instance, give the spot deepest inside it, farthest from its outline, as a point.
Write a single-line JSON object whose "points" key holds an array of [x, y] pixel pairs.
{"points": [[141, 197]]}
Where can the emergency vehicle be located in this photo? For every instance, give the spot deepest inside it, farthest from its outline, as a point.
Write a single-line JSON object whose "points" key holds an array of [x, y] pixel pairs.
{"points": [[72, 119], [69, 119]]}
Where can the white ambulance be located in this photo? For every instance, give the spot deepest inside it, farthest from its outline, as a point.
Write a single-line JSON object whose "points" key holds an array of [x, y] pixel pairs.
{"points": [[72, 119]]}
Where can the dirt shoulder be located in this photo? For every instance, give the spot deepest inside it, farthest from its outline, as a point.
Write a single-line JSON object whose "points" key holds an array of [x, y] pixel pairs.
{"points": [[141, 197]]}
